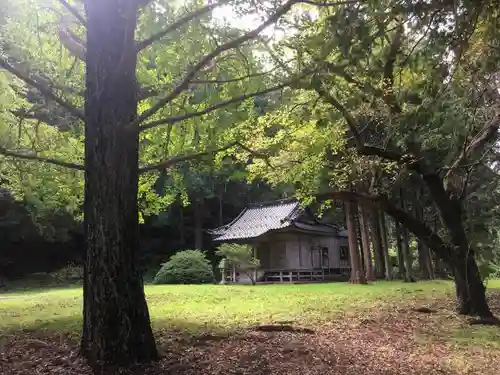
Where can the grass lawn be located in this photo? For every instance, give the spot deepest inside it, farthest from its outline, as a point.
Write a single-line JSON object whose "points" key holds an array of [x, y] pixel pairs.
{"points": [[377, 312], [218, 307]]}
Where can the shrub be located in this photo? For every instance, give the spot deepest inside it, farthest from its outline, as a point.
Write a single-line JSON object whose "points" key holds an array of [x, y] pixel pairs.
{"points": [[68, 275], [186, 267], [239, 256]]}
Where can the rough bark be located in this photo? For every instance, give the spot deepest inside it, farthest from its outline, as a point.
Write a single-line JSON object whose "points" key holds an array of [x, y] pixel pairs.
{"points": [[424, 260], [377, 244], [357, 274], [385, 247], [360, 242], [399, 250], [365, 239], [405, 243], [405, 246], [469, 286], [116, 325], [439, 269]]}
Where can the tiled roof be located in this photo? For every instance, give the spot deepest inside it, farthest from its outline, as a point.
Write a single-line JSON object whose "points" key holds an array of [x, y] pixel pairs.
{"points": [[260, 218], [315, 227]]}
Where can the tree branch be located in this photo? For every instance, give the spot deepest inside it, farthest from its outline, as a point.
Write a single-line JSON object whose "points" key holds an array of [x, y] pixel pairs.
{"points": [[213, 107], [230, 80], [71, 41], [329, 4], [488, 134], [73, 11], [37, 114], [5, 152], [170, 162], [181, 158], [388, 80], [361, 147], [46, 91], [419, 229], [176, 25], [329, 98], [184, 84], [362, 86]]}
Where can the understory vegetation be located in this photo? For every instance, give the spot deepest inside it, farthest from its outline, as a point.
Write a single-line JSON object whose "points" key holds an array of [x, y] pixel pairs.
{"points": [[186, 267]]}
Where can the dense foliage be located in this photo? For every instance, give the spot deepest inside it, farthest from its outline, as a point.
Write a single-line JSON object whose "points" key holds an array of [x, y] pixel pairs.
{"points": [[388, 106], [186, 267], [240, 257]]}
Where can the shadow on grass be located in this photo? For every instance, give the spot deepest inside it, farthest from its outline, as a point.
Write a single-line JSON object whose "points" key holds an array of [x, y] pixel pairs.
{"points": [[69, 327], [35, 288], [377, 341], [347, 347], [382, 344]]}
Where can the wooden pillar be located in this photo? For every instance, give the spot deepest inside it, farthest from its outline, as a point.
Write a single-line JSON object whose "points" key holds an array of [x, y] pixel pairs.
{"points": [[365, 239], [357, 275]]}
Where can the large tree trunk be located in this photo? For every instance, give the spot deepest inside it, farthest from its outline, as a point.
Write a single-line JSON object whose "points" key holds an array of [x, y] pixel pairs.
{"points": [[470, 290], [365, 239], [405, 243], [357, 274], [385, 246], [424, 260], [399, 250], [377, 244], [116, 325], [439, 269], [469, 287]]}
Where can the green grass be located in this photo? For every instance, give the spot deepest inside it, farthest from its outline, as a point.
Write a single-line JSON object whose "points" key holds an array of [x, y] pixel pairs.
{"points": [[215, 307], [198, 308]]}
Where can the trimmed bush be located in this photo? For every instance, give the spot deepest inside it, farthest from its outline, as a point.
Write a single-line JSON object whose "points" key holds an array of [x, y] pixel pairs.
{"points": [[68, 275], [185, 267]]}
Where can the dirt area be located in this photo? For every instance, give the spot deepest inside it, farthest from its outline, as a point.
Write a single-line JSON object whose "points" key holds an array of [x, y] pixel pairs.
{"points": [[399, 341]]}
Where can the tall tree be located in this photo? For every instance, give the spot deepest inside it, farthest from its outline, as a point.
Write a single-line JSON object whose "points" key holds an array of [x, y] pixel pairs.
{"points": [[385, 246], [378, 247], [357, 272], [405, 243], [424, 259], [365, 240], [377, 85], [101, 35]]}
